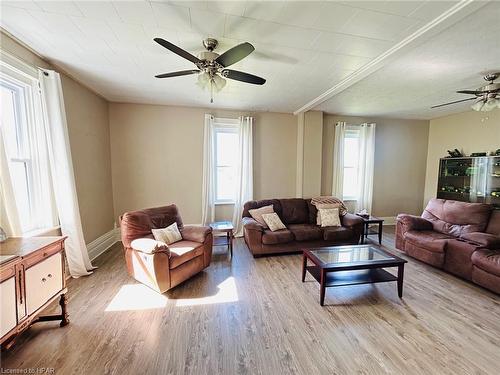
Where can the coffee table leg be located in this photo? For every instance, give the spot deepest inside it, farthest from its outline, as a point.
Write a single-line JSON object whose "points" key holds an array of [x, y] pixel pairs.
{"points": [[322, 288], [304, 265], [401, 269], [380, 233]]}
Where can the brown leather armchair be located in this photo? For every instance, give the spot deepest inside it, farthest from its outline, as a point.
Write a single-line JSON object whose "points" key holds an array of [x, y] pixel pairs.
{"points": [[155, 264]]}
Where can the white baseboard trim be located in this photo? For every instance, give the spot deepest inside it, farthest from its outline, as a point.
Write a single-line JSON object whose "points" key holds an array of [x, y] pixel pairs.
{"points": [[103, 243], [389, 220]]}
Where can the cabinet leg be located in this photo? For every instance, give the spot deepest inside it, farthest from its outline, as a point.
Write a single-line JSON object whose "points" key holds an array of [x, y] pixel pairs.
{"points": [[63, 302]]}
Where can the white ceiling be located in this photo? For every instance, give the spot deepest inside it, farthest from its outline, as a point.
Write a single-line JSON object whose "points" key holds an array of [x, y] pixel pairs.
{"points": [[302, 49], [429, 74]]}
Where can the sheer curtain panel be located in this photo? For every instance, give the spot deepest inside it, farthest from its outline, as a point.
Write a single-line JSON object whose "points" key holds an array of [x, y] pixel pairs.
{"points": [[61, 170], [244, 175]]}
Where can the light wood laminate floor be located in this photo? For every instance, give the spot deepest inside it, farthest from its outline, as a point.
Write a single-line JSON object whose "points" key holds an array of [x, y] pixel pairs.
{"points": [[255, 316]]}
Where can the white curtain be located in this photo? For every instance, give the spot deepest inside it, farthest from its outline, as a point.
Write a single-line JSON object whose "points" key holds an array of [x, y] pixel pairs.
{"points": [[244, 184], [208, 192], [365, 167], [9, 218], [61, 168], [338, 160]]}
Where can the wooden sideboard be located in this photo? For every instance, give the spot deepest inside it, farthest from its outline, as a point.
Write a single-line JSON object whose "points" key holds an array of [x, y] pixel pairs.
{"points": [[32, 276]]}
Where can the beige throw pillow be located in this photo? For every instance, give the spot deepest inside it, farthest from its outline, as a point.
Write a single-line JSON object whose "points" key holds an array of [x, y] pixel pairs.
{"points": [[273, 221], [258, 212], [329, 217], [323, 206], [168, 235]]}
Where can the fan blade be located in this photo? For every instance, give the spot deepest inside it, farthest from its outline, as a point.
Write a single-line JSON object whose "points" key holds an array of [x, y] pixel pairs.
{"points": [[243, 77], [456, 101], [177, 50], [471, 92], [235, 54], [177, 74]]}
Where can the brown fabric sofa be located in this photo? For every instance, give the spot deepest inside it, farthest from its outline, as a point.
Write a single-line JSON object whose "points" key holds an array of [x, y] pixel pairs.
{"points": [[461, 238], [158, 266], [299, 216]]}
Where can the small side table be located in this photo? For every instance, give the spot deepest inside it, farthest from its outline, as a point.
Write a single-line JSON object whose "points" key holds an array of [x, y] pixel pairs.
{"points": [[367, 221], [227, 240]]}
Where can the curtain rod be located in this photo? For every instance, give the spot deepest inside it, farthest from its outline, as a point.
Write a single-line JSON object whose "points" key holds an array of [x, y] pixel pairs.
{"points": [[19, 64]]}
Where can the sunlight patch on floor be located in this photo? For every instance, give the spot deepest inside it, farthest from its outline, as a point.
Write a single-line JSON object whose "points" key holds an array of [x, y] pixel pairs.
{"points": [[136, 297], [227, 293]]}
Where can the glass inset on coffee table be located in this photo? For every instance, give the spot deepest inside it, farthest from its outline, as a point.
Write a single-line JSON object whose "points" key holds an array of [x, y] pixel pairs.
{"points": [[351, 265]]}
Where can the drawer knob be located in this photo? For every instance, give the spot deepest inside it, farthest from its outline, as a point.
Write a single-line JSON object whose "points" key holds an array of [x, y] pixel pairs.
{"points": [[44, 279], [49, 275]]}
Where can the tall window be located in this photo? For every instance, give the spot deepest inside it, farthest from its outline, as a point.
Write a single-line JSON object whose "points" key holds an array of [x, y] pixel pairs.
{"points": [[351, 164], [226, 149], [20, 124]]}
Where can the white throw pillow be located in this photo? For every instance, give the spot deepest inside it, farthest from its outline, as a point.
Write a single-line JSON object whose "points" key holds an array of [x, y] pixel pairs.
{"points": [[329, 217], [273, 221], [322, 206], [168, 235], [258, 212]]}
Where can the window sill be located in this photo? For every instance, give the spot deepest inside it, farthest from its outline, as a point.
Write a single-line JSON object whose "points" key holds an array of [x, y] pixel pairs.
{"points": [[224, 203]]}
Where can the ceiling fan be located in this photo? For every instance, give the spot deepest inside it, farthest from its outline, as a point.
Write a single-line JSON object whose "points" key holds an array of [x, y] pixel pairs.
{"points": [[211, 67], [486, 97]]}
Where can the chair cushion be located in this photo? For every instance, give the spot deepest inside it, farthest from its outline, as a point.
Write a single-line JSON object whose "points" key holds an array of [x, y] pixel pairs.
{"points": [[487, 260], [280, 236], [183, 251], [294, 211], [456, 218], [337, 234], [306, 232], [428, 239]]}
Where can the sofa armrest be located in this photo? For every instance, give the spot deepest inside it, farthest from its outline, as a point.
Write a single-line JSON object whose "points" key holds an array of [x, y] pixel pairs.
{"points": [[412, 222], [487, 240], [149, 246], [350, 220], [195, 233], [249, 223]]}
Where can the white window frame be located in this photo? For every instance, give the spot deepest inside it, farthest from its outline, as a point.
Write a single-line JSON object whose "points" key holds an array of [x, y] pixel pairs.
{"points": [[351, 132], [17, 75], [222, 125]]}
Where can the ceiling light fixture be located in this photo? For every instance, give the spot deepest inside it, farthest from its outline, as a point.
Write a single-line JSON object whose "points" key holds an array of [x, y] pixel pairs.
{"points": [[487, 97], [211, 67]]}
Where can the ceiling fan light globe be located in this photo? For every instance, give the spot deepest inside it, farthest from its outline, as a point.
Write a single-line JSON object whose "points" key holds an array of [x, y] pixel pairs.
{"points": [[478, 105], [490, 104], [219, 82]]}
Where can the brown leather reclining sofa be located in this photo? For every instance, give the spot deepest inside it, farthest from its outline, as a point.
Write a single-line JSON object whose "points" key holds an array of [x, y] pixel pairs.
{"points": [[158, 266], [299, 216], [461, 238]]}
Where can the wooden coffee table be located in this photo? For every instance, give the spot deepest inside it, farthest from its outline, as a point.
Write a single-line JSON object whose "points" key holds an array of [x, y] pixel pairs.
{"points": [[351, 265]]}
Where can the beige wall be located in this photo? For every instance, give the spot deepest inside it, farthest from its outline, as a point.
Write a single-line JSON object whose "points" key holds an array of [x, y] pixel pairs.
{"points": [[400, 162], [469, 132], [157, 156], [87, 115], [312, 154]]}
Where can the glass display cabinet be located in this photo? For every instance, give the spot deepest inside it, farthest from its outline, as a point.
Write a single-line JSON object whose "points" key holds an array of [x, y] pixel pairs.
{"points": [[470, 179]]}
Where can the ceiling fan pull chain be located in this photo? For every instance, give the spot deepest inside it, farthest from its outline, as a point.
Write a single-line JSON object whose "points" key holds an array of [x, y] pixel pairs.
{"points": [[211, 90]]}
